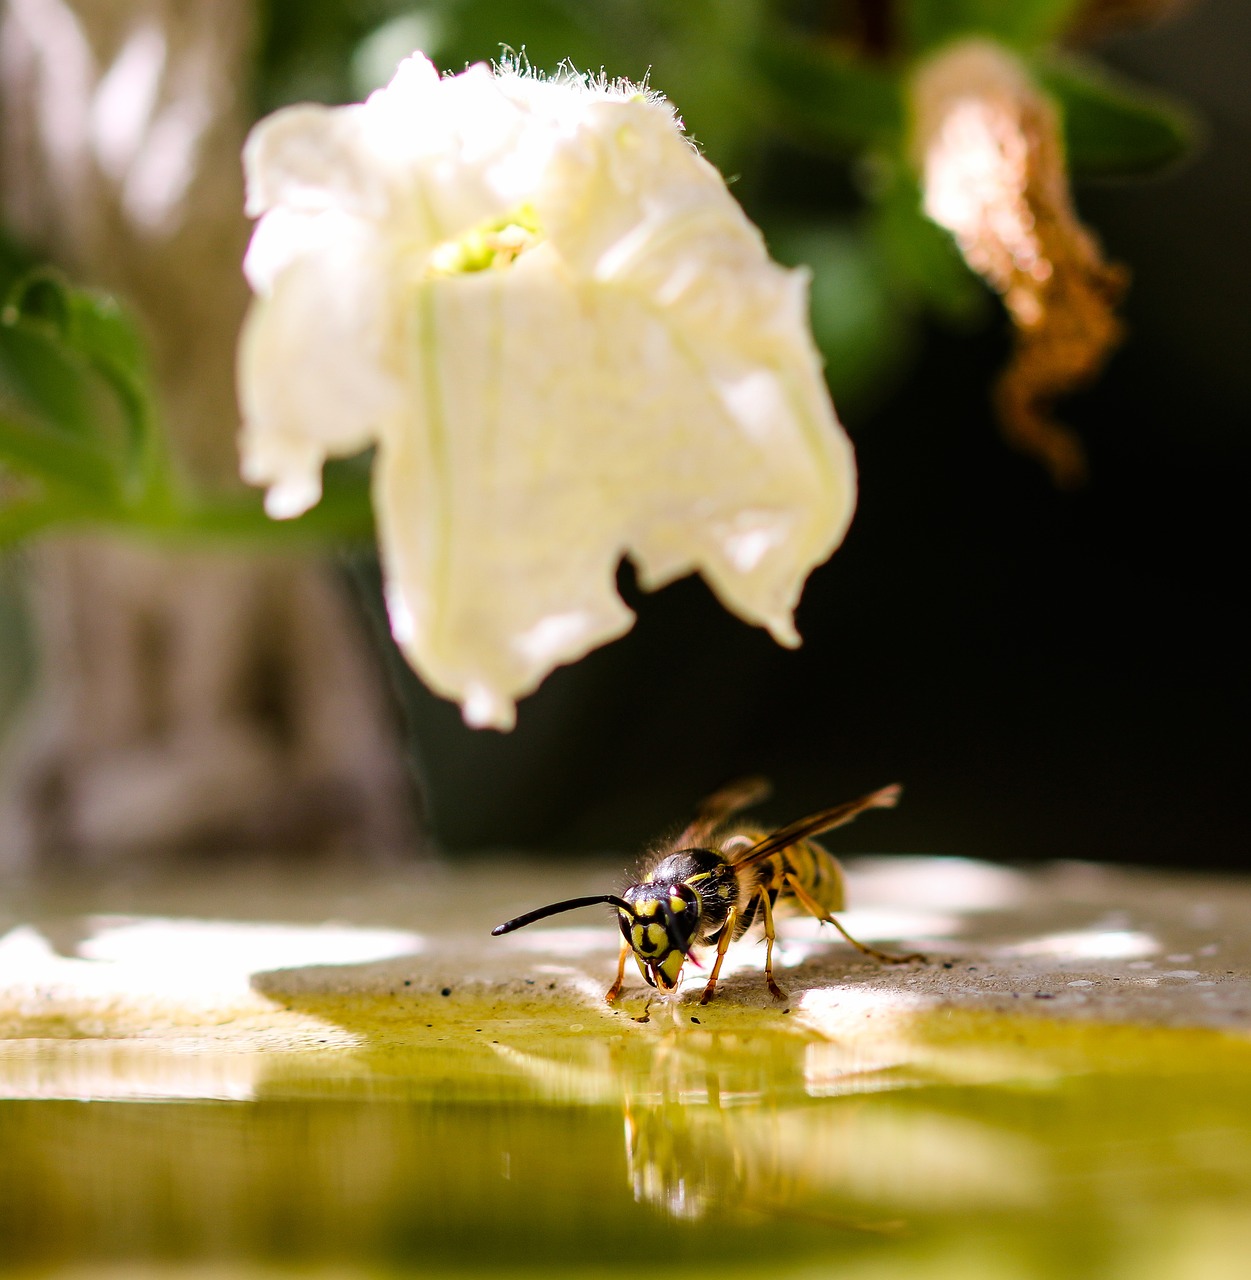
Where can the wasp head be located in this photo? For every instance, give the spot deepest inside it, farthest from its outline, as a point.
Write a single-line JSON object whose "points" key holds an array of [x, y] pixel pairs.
{"points": [[660, 925]]}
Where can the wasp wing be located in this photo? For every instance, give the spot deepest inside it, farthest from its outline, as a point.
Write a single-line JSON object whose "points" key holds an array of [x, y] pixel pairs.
{"points": [[719, 806], [816, 823]]}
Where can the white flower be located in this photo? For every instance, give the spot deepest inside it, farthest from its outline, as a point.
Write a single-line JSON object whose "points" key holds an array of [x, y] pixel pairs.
{"points": [[568, 344]]}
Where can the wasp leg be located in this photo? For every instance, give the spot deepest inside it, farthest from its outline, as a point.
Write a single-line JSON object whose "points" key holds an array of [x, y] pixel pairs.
{"points": [[774, 990], [811, 905], [723, 945], [615, 990]]}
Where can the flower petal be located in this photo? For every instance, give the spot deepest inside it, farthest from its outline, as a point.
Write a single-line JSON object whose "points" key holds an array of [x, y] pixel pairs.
{"points": [[569, 344], [557, 425], [631, 205], [309, 158], [313, 370], [500, 546]]}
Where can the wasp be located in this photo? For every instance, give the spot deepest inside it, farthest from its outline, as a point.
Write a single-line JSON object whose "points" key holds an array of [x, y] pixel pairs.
{"points": [[720, 877]]}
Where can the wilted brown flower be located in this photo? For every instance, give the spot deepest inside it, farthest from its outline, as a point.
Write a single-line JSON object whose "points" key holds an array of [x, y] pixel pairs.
{"points": [[987, 143]]}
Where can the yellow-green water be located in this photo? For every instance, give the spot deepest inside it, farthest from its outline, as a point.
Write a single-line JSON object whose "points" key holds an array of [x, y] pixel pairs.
{"points": [[464, 1139]]}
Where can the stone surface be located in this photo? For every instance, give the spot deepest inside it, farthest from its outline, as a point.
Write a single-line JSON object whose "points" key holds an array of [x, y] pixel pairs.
{"points": [[243, 959], [337, 1068]]}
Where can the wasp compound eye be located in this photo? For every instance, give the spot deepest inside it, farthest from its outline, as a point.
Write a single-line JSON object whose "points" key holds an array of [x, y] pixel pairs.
{"points": [[646, 928], [682, 915]]}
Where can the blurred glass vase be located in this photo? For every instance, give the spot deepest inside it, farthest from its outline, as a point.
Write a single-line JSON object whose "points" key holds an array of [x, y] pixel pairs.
{"points": [[567, 343]]}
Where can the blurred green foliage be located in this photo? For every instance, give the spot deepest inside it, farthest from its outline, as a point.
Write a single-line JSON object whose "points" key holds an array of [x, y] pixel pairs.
{"points": [[1111, 126], [76, 415], [81, 439], [801, 103], [1022, 24]]}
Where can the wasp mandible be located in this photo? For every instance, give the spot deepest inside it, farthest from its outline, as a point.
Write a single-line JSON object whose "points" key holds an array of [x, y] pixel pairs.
{"points": [[717, 879]]}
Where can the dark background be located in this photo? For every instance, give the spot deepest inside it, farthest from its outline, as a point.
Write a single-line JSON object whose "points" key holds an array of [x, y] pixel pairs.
{"points": [[1050, 675]]}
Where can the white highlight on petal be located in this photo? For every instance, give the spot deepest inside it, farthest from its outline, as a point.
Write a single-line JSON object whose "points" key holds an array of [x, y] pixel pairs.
{"points": [[753, 536], [401, 616], [483, 708], [292, 497], [756, 399], [553, 635]]}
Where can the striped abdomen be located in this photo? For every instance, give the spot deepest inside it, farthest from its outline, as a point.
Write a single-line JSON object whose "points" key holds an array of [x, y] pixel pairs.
{"points": [[818, 871]]}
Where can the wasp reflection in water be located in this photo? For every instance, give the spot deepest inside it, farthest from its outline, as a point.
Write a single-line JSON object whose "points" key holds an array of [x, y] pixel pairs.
{"points": [[718, 1124]]}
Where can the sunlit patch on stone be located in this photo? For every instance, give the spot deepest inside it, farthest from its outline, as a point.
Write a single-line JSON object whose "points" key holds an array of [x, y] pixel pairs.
{"points": [[943, 884], [1094, 944], [239, 947]]}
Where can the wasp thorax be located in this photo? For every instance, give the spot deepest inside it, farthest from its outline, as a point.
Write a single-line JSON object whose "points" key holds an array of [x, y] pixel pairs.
{"points": [[661, 925]]}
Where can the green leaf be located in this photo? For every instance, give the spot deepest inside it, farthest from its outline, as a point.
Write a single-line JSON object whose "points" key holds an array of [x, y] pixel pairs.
{"points": [[85, 321], [1023, 24], [41, 380], [103, 333], [826, 93], [107, 336], [78, 418], [57, 457], [1111, 126], [41, 297], [55, 338], [72, 361]]}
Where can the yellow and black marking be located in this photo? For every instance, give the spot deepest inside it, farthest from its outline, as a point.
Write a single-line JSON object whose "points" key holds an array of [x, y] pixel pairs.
{"points": [[718, 879]]}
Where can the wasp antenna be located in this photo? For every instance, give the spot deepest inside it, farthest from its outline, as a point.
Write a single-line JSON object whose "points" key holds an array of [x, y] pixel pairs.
{"points": [[570, 904]]}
